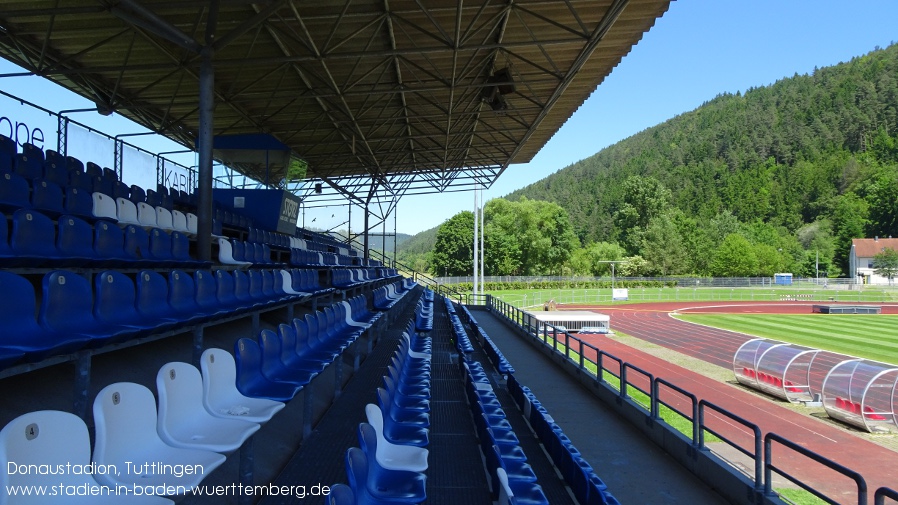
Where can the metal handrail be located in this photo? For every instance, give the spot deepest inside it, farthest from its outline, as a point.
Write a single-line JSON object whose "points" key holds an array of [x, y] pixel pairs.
{"points": [[769, 467], [756, 456], [879, 498], [656, 396]]}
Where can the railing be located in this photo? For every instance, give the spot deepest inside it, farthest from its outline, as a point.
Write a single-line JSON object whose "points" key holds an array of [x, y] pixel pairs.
{"points": [[591, 360]]}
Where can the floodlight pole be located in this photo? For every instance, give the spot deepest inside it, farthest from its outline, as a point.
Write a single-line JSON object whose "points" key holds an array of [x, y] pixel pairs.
{"points": [[205, 137]]}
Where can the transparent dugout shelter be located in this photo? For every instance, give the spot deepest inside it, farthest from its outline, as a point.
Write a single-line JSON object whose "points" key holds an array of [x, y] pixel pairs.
{"points": [[777, 368], [862, 393]]}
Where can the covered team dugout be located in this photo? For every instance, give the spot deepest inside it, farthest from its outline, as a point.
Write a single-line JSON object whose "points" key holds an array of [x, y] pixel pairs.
{"points": [[777, 368], [862, 393]]}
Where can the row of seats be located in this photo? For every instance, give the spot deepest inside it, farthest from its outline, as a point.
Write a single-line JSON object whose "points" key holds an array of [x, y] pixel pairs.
{"points": [[200, 417], [772, 380], [125, 212], [303, 257], [462, 342], [385, 297], [587, 487], [38, 241], [512, 478], [388, 465], [240, 253], [490, 348], [278, 365], [424, 312], [73, 314]]}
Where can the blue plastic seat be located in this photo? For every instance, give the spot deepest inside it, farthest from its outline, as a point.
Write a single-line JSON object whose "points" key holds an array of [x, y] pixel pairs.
{"points": [[153, 198], [152, 300], [33, 151], [160, 247], [82, 181], [55, 172], [22, 337], [206, 293], [182, 297], [397, 486], [14, 192], [291, 354], [115, 303], [46, 197], [5, 252], [400, 415], [121, 190], [137, 245], [109, 241], [138, 195], [303, 347], [73, 163], [75, 241], [29, 167], [255, 287], [7, 146], [5, 163], [93, 170], [341, 494], [180, 251], [104, 185], [33, 238], [225, 292], [250, 379], [273, 368], [67, 306]]}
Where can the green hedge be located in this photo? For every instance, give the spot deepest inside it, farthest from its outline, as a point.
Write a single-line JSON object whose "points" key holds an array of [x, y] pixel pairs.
{"points": [[572, 284]]}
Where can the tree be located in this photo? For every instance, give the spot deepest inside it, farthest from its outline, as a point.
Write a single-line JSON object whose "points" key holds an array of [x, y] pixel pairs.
{"points": [[662, 247], [453, 253], [644, 199], [849, 218], [595, 254], [536, 236], [885, 264], [735, 258]]}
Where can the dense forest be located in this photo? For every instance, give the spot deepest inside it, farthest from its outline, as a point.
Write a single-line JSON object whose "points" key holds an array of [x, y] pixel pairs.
{"points": [[780, 178]]}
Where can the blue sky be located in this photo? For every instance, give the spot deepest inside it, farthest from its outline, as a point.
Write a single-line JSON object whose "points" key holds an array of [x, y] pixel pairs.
{"points": [[697, 50]]}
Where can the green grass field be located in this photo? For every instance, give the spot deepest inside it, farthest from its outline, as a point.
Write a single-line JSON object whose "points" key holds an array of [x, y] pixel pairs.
{"points": [[866, 336], [534, 297]]}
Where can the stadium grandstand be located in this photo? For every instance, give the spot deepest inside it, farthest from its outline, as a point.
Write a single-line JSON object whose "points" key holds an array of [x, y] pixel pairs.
{"points": [[180, 339]]}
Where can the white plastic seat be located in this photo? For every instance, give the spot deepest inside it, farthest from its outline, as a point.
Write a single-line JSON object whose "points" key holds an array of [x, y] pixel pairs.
{"points": [[192, 223], [57, 439], [126, 212], [393, 456], [179, 222], [146, 215], [104, 207], [226, 253], [220, 395], [288, 284], [125, 417], [164, 219], [505, 493], [183, 420], [349, 320]]}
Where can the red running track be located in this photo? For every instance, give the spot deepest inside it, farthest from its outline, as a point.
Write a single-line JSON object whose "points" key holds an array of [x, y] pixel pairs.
{"points": [[652, 322]]}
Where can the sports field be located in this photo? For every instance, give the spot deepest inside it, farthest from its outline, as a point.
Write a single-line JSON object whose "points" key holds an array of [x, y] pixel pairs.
{"points": [[533, 297], [866, 336]]}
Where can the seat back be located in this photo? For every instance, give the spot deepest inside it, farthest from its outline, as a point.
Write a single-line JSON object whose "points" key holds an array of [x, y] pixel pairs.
{"points": [[341, 494], [164, 219], [182, 292], [104, 207], [121, 190], [109, 240], [248, 364], [206, 287], [126, 211], [241, 286], [137, 243], [75, 238], [180, 247], [138, 195], [44, 437], [33, 234], [179, 221], [160, 245], [192, 223], [78, 202], [115, 298], [125, 419], [47, 196], [16, 306], [93, 170], [67, 302], [146, 215], [152, 295], [219, 373], [14, 191], [27, 166], [224, 288], [255, 284], [180, 389]]}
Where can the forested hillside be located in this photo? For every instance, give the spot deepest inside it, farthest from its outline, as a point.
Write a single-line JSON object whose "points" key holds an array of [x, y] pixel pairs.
{"points": [[799, 168]]}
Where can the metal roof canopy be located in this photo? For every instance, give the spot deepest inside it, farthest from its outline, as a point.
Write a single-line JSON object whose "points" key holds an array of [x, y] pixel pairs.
{"points": [[381, 98]]}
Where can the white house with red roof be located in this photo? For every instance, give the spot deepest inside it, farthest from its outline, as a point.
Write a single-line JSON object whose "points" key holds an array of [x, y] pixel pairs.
{"points": [[860, 261]]}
